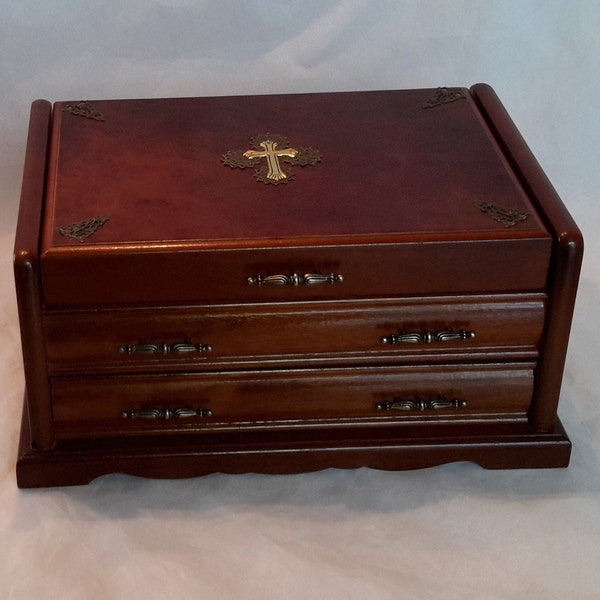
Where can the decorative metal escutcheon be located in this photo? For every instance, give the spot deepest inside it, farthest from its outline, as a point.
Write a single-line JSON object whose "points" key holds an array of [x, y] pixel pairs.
{"points": [[165, 413], [420, 404], [84, 109], [185, 347], [295, 279], [443, 95], [428, 337], [82, 230], [509, 217], [273, 150]]}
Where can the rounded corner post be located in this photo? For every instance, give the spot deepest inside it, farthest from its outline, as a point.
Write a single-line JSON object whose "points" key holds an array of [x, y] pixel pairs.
{"points": [[565, 264], [562, 291], [33, 185], [571, 244], [42, 105], [479, 87], [28, 278]]}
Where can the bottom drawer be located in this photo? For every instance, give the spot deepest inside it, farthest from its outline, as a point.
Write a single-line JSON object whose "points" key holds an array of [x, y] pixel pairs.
{"points": [[176, 403]]}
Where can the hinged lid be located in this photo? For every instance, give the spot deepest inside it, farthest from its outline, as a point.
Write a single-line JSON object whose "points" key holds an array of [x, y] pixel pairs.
{"points": [[167, 200]]}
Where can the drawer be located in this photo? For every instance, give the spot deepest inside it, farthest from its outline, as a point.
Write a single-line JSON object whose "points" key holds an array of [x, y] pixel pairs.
{"points": [[246, 400], [212, 337], [295, 274]]}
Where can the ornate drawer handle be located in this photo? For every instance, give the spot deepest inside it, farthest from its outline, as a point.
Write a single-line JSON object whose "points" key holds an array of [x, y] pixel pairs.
{"points": [[427, 337], [165, 413], [295, 279], [179, 348], [419, 404]]}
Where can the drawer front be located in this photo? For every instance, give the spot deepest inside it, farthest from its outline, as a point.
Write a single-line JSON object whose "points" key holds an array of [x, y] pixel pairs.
{"points": [[219, 336], [99, 277], [184, 403]]}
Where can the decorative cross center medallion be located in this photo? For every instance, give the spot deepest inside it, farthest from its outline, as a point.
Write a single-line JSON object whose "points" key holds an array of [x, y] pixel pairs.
{"points": [[271, 153], [272, 148]]}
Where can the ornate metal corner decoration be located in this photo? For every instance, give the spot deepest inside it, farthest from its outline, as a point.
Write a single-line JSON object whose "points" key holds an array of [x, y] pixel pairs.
{"points": [[275, 149], [508, 217], [84, 109], [82, 230], [443, 95]]}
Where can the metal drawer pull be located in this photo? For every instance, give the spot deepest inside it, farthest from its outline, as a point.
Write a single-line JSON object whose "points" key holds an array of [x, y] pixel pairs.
{"points": [[179, 348], [419, 404], [166, 413], [295, 279], [427, 337]]}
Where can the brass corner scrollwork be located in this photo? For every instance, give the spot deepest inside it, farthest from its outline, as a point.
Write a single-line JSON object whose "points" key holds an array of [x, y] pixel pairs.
{"points": [[84, 109], [509, 217], [82, 230], [443, 95], [274, 149]]}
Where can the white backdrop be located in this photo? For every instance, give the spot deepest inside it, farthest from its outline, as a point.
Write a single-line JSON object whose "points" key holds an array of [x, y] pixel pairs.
{"points": [[455, 531]]}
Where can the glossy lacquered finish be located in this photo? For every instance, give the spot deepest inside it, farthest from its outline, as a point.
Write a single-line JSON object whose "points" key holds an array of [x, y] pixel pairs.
{"points": [[393, 206], [308, 398], [402, 301], [293, 334]]}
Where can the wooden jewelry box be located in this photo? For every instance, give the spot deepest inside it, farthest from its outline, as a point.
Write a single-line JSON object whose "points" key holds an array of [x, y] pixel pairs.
{"points": [[287, 283]]}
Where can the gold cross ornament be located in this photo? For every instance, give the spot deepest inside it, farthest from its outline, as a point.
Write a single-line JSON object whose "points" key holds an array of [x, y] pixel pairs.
{"points": [[272, 148]]}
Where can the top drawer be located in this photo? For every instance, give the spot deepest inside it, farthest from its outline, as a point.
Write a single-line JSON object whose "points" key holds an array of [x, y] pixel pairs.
{"points": [[105, 276]]}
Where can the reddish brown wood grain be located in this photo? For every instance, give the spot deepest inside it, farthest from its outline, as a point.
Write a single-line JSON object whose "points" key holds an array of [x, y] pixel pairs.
{"points": [[567, 256], [503, 327], [297, 377], [27, 278]]}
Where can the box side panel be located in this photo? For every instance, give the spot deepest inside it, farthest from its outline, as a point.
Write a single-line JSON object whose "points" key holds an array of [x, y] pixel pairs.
{"points": [[566, 261], [27, 277]]}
